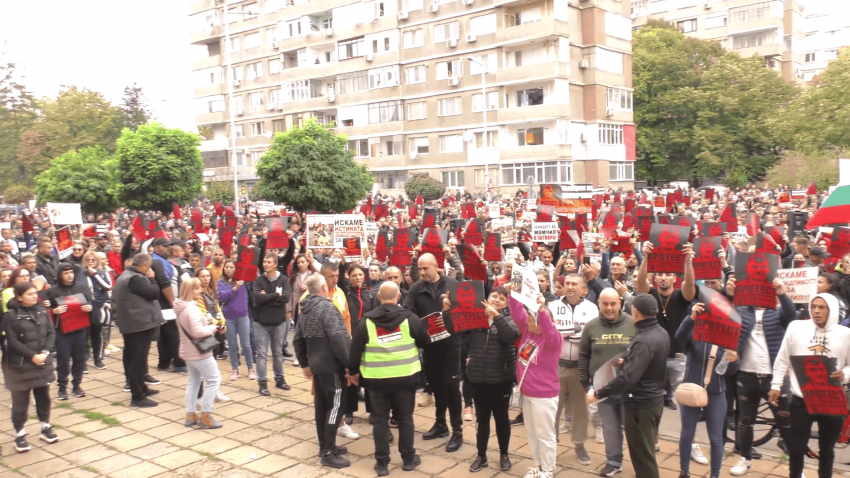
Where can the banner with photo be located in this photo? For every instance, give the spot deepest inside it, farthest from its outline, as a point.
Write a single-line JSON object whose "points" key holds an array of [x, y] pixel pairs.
{"points": [[61, 213], [667, 241], [466, 311], [524, 286], [707, 264], [719, 324], [822, 393], [754, 274]]}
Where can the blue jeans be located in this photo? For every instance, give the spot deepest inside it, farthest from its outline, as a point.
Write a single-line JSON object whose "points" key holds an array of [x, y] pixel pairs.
{"points": [[205, 370], [675, 375], [715, 419], [267, 335], [611, 413], [240, 327]]}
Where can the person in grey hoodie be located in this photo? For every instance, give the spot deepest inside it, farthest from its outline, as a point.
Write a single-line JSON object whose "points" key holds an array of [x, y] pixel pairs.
{"points": [[322, 346]]}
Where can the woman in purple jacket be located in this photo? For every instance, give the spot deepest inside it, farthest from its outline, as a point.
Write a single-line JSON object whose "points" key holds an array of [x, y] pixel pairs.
{"points": [[537, 371], [233, 297]]}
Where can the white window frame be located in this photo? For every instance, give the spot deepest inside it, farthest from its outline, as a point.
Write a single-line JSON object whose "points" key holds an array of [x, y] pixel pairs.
{"points": [[449, 69], [256, 156], [296, 90], [717, 21], [235, 45], [492, 101], [482, 24], [385, 111], [522, 134], [412, 5], [292, 29], [687, 26], [236, 103], [450, 106], [271, 35], [258, 128], [490, 62], [518, 172], [452, 179], [446, 31], [417, 110], [357, 48], [492, 139], [610, 134], [240, 158], [239, 130], [625, 171], [415, 73], [274, 96], [523, 95], [256, 99], [254, 70], [253, 40], [811, 57], [451, 143], [620, 99], [360, 147], [275, 66], [419, 144], [413, 38], [383, 77], [531, 15]]}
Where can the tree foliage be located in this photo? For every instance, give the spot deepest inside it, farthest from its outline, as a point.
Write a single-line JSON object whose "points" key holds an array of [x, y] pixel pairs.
{"points": [[158, 167], [17, 194], [310, 168], [86, 176], [703, 112], [17, 115], [423, 184], [219, 191], [134, 108], [797, 167]]}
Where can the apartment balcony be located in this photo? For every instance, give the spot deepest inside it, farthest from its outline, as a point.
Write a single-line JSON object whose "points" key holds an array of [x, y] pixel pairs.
{"points": [[770, 23], [379, 129], [217, 144], [549, 69], [378, 94], [532, 31], [201, 5], [211, 118], [202, 37], [394, 161], [214, 89], [334, 68], [539, 152], [763, 50], [206, 62], [318, 37], [530, 113]]}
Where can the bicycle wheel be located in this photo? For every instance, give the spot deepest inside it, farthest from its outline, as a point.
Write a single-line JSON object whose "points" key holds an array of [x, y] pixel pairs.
{"points": [[764, 428]]}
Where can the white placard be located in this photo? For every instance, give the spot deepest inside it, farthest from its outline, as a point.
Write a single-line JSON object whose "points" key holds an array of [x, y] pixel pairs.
{"points": [[64, 213], [5, 225], [544, 231], [264, 207], [348, 225], [524, 286], [800, 284], [494, 210], [372, 231]]}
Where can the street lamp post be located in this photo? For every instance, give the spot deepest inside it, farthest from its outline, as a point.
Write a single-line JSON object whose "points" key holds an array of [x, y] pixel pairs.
{"points": [[484, 115], [230, 79]]}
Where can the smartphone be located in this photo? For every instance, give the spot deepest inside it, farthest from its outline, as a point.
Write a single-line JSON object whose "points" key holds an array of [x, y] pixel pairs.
{"points": [[586, 260]]}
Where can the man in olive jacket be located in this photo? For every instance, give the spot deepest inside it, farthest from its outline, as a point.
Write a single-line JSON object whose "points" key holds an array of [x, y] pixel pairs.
{"points": [[137, 295]]}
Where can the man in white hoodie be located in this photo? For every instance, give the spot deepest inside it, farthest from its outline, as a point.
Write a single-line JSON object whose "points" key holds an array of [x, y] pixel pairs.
{"points": [[819, 336]]}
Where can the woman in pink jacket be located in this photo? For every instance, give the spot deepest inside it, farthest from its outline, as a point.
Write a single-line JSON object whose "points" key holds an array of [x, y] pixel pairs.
{"points": [[537, 372], [193, 324]]}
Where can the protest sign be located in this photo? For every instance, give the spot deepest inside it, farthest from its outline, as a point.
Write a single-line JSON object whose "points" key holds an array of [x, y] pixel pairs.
{"points": [[372, 232], [246, 264], [644, 226], [754, 274], [576, 199], [432, 241], [74, 318], [719, 323], [348, 226], [492, 246], [402, 245], [822, 393], [264, 207], [64, 243], [707, 264], [320, 230], [524, 286], [472, 266], [800, 284], [544, 231], [466, 311], [494, 210], [712, 228], [473, 234], [353, 248], [382, 246], [277, 237], [436, 332], [668, 241], [61, 213]]}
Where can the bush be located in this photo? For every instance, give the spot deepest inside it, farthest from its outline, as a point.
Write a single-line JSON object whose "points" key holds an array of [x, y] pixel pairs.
{"points": [[17, 194], [428, 187]]}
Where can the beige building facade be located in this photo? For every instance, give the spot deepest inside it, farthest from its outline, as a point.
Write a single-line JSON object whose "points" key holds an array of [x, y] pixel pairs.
{"points": [[402, 79]]}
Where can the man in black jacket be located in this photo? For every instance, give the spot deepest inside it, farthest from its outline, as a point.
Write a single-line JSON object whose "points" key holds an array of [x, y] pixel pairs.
{"points": [[322, 347], [641, 381], [271, 294], [70, 344], [396, 392], [47, 264]]}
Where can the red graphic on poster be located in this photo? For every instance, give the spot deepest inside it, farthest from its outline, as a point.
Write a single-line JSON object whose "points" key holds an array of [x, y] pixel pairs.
{"points": [[63, 239], [75, 318], [840, 243], [730, 217], [473, 234], [707, 264], [402, 245], [644, 226], [622, 244], [411, 211], [433, 240], [246, 264], [277, 238], [822, 393], [666, 255], [492, 246], [719, 324], [436, 332], [712, 228], [545, 213], [381, 246], [429, 218], [472, 266], [754, 273], [468, 210], [466, 312]]}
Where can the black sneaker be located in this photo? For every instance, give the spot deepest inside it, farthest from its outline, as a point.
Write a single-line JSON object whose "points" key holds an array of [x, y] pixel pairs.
{"points": [[504, 463], [287, 353], [143, 403], [439, 430], [610, 470], [479, 463], [98, 364], [454, 442], [78, 392], [126, 386], [412, 464], [339, 450], [22, 445], [381, 469], [48, 435], [393, 423], [349, 420], [334, 461], [670, 404], [150, 380], [518, 420], [63, 394], [151, 392], [581, 453], [264, 388], [281, 384]]}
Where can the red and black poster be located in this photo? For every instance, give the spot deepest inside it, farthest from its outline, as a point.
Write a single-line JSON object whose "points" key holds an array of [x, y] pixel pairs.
{"points": [[74, 318], [665, 219], [709, 194], [719, 324], [456, 226], [63, 240], [419, 200], [246, 264], [668, 241], [766, 244], [822, 393], [752, 224], [754, 274], [197, 220], [381, 210], [139, 231], [429, 217], [707, 264], [473, 234], [175, 213], [684, 221], [472, 266], [643, 211], [353, 249], [730, 217], [777, 233], [713, 228], [545, 213], [609, 222], [644, 226], [433, 240], [622, 244], [382, 246], [492, 246], [411, 211], [629, 205], [468, 210], [466, 312], [277, 238], [402, 245], [436, 331], [840, 243]]}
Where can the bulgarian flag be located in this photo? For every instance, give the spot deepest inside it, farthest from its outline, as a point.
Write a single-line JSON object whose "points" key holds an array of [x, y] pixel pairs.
{"points": [[835, 210]]}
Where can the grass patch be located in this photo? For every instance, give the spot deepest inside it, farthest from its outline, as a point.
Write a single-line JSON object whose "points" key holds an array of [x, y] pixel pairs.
{"points": [[77, 433], [56, 427], [105, 419], [209, 456], [117, 404], [783, 458], [283, 415], [33, 416], [63, 405], [90, 468]]}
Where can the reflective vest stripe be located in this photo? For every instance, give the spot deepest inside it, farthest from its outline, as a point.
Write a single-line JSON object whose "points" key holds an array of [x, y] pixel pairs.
{"points": [[392, 355], [399, 348], [390, 363]]}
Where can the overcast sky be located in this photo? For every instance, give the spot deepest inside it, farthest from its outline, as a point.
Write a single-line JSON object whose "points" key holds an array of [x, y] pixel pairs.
{"points": [[105, 45]]}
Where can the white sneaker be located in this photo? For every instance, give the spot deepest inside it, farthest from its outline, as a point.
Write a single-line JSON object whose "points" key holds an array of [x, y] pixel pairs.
{"points": [[346, 431], [599, 437], [533, 472], [220, 397], [295, 361], [743, 467], [657, 446], [697, 456], [545, 474]]}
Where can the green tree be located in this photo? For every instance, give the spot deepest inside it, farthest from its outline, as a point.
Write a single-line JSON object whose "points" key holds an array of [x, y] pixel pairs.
{"points": [[17, 115], [134, 108], [158, 167], [86, 176], [17, 194], [796, 167], [423, 184], [219, 191], [310, 168]]}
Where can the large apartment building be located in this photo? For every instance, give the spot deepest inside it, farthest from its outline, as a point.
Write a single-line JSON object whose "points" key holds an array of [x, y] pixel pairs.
{"points": [[796, 37], [403, 80]]}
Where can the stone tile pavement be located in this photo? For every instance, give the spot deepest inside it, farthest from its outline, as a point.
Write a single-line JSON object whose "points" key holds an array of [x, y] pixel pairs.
{"points": [[262, 436]]}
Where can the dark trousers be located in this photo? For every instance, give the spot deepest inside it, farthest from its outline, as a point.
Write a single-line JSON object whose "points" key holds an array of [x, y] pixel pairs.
{"points": [[96, 335], [137, 345], [70, 357], [492, 399], [797, 439], [751, 390], [442, 366], [641, 432], [466, 386], [168, 346], [401, 403], [352, 402], [732, 411], [329, 404], [21, 405]]}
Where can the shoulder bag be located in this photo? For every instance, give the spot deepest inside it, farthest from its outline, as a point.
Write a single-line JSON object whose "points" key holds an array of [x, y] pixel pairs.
{"points": [[205, 344], [692, 394]]}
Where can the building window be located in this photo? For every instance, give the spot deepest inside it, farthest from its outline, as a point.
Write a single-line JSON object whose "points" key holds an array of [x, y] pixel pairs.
{"points": [[530, 97], [360, 147], [492, 139], [829, 55], [452, 179], [529, 137], [292, 28], [490, 62], [531, 15], [717, 21], [606, 60], [240, 158], [383, 77], [687, 26], [449, 106], [232, 17], [414, 38], [638, 7], [492, 101], [416, 111], [621, 171], [415, 74], [749, 41], [419, 145], [271, 35], [236, 102], [748, 13], [210, 104], [274, 66], [351, 48], [274, 96], [235, 44], [296, 90], [239, 130], [252, 41], [446, 31], [352, 82], [278, 126], [619, 99], [257, 129], [256, 156], [256, 99], [386, 111], [483, 25], [610, 133], [451, 143], [254, 70], [810, 57], [449, 69], [552, 172]]}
